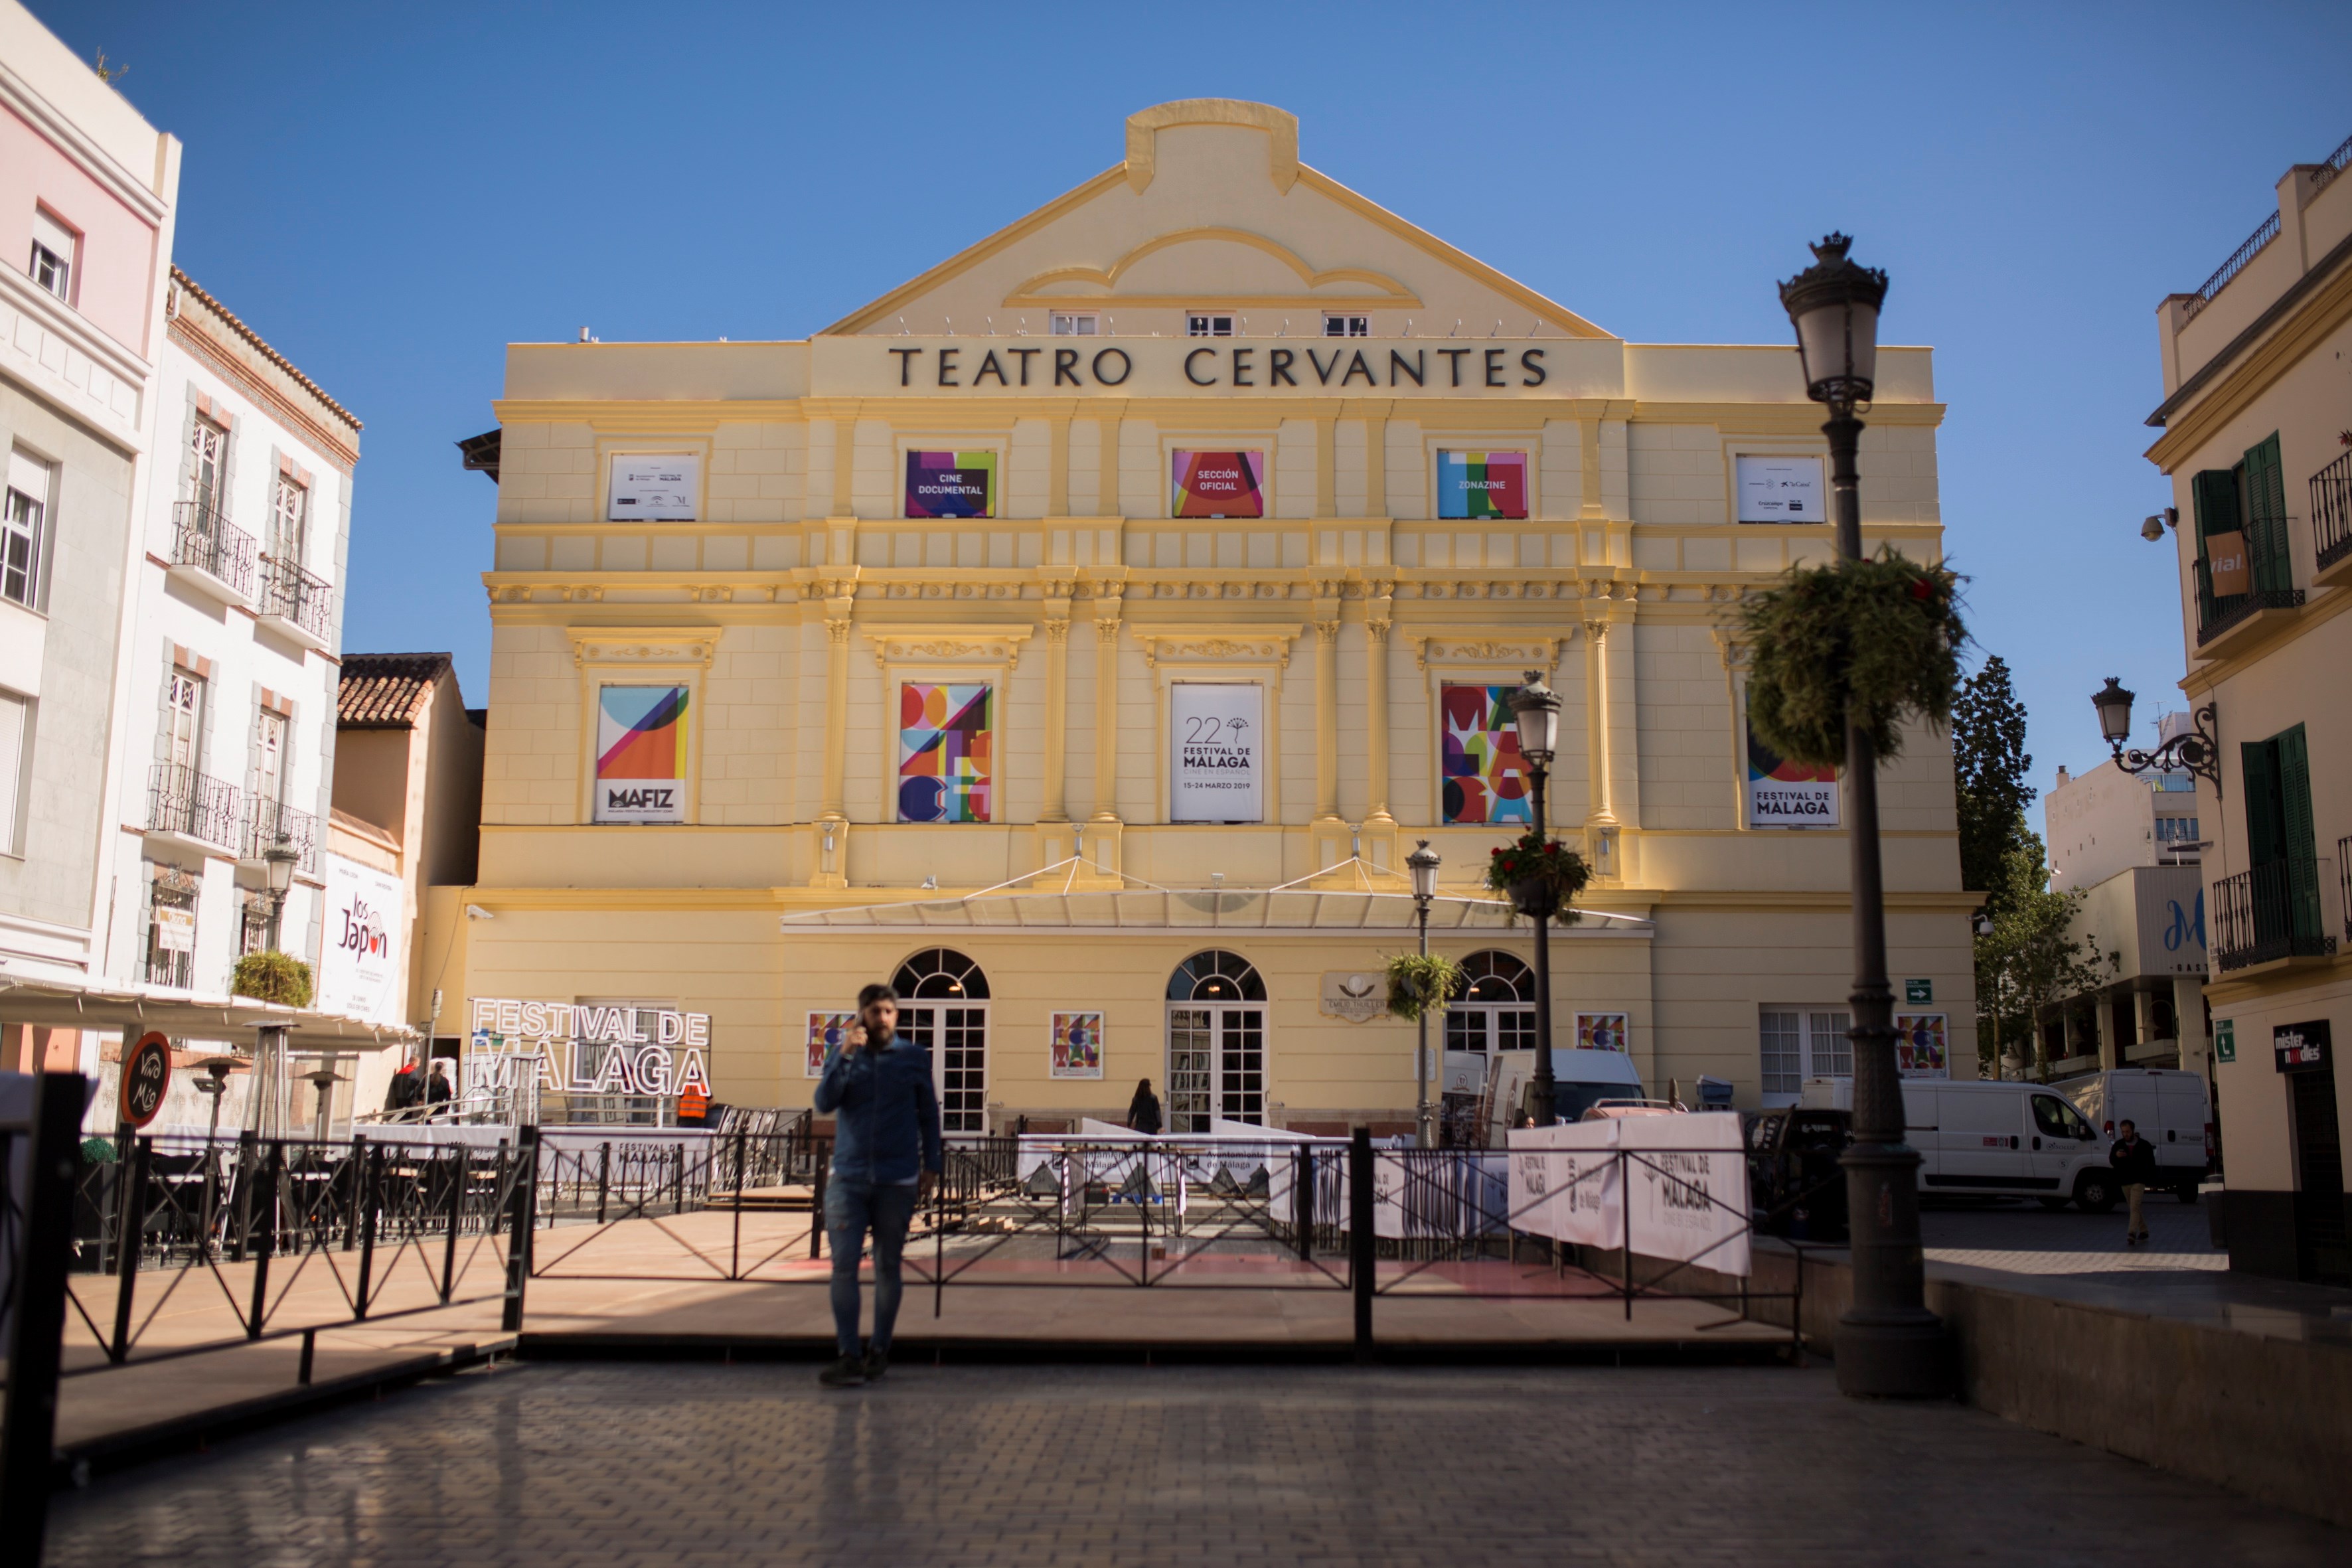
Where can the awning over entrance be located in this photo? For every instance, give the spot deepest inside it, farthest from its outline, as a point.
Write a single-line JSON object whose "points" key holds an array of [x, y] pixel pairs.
{"points": [[1054, 899], [66, 1004]]}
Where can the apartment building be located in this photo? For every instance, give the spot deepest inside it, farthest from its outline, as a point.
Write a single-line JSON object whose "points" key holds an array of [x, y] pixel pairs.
{"points": [[2257, 441]]}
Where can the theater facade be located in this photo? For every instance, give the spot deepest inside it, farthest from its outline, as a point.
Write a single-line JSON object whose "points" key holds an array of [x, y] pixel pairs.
{"points": [[1083, 632]]}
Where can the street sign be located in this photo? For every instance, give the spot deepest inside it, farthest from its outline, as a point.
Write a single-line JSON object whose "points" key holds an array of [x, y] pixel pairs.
{"points": [[2225, 1039], [2299, 1045], [1917, 991], [146, 1074]]}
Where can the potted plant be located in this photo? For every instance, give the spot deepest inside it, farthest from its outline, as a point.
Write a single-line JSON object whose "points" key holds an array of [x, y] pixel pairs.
{"points": [[270, 975], [1879, 640], [1539, 874], [1423, 984]]}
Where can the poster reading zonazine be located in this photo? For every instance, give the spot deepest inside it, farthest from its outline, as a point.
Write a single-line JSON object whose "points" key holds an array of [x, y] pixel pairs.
{"points": [[1216, 750], [1782, 794], [359, 950], [950, 484], [1482, 484]]}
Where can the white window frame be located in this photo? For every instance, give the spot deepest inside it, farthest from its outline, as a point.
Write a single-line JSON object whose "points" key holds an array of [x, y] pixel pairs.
{"points": [[17, 718], [1819, 1048], [24, 530], [1348, 324], [50, 268], [273, 729], [183, 701], [1073, 324], [1206, 324], [208, 465], [290, 520]]}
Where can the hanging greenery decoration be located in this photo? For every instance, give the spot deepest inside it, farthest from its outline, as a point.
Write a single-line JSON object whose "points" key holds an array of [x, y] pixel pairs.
{"points": [[1539, 875], [1882, 636], [270, 975], [1420, 983]]}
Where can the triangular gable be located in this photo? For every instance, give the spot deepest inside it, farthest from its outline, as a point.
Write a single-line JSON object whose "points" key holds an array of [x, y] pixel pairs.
{"points": [[1212, 209]]}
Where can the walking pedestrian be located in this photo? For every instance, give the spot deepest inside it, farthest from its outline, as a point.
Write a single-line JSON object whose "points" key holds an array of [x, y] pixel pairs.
{"points": [[2133, 1160], [885, 1155], [1143, 1110], [436, 1089]]}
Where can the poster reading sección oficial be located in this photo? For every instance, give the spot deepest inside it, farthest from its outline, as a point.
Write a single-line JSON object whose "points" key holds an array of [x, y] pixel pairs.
{"points": [[1217, 484], [1217, 752], [950, 484], [1782, 794]]}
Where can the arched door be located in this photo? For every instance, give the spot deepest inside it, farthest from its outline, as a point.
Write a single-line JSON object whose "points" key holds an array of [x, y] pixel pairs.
{"points": [[1216, 1042], [943, 1008]]}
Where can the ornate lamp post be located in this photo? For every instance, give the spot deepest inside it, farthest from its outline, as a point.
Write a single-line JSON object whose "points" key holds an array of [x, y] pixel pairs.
{"points": [[1536, 707], [2197, 752], [1888, 1344], [280, 858], [1423, 863]]}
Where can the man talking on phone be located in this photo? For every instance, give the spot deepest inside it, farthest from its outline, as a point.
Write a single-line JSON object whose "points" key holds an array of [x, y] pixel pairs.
{"points": [[885, 1155]]}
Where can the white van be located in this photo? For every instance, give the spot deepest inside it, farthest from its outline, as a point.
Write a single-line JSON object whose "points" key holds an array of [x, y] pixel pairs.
{"points": [[2168, 1106], [1984, 1137], [1580, 1079]]}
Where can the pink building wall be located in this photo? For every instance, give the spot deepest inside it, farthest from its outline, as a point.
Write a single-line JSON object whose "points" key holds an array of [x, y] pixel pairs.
{"points": [[114, 275]]}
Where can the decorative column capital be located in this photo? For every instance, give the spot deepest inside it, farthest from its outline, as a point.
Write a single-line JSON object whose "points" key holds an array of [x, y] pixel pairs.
{"points": [[1326, 632]]}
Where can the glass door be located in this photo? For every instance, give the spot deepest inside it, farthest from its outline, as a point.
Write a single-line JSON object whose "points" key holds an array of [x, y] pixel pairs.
{"points": [[956, 1040], [1217, 1066]]}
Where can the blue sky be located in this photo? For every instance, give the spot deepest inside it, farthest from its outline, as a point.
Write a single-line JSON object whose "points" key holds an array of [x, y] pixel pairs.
{"points": [[389, 194]]}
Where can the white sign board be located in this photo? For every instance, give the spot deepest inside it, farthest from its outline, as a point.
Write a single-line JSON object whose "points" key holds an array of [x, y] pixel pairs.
{"points": [[1216, 752], [360, 968], [1357, 996], [1672, 1186], [175, 929], [658, 486], [1782, 490]]}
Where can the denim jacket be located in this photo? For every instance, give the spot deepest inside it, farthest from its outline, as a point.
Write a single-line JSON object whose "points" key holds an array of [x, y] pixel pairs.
{"points": [[886, 1115]]}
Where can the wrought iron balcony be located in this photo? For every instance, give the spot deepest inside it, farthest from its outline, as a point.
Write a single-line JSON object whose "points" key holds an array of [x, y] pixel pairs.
{"points": [[2271, 912], [201, 538], [298, 598], [2216, 613], [265, 820], [2331, 512], [181, 801]]}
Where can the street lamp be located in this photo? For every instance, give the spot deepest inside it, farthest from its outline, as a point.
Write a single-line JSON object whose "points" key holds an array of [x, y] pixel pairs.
{"points": [[1423, 863], [1888, 1342], [1536, 707], [279, 860], [2197, 752]]}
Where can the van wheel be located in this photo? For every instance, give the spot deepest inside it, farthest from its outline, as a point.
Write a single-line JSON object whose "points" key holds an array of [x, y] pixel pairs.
{"points": [[2095, 1192], [2053, 1204], [2187, 1191]]}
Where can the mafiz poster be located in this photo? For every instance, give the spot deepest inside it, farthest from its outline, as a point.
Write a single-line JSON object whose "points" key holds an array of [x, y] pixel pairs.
{"points": [[641, 753], [1216, 748]]}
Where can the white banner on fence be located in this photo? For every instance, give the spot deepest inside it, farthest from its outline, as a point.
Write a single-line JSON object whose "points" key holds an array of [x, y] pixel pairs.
{"points": [[1686, 1177]]}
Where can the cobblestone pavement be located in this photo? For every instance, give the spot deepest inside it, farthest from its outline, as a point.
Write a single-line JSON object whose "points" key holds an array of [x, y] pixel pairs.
{"points": [[610, 1465], [2026, 1238]]}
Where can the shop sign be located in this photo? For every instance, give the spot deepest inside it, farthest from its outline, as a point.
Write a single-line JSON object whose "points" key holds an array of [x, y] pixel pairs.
{"points": [[359, 952], [588, 1050], [1358, 997], [1216, 752], [2300, 1045]]}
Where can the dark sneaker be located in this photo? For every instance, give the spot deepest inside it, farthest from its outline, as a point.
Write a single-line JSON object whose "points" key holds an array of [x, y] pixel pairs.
{"points": [[877, 1361], [846, 1372]]}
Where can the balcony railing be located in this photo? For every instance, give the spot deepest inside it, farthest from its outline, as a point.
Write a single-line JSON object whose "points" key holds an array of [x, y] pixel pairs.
{"points": [[265, 820], [2217, 613], [201, 538], [2344, 866], [2263, 235], [195, 806], [2331, 512], [2271, 912], [293, 594]]}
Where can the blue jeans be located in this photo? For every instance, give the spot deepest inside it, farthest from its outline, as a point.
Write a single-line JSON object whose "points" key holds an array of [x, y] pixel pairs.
{"points": [[851, 1209]]}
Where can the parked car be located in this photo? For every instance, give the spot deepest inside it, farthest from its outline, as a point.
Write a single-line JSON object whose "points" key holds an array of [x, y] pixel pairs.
{"points": [[1795, 1183], [1982, 1137], [2169, 1108]]}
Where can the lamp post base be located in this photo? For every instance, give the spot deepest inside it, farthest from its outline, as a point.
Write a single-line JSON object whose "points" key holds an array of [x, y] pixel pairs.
{"points": [[1907, 1357]]}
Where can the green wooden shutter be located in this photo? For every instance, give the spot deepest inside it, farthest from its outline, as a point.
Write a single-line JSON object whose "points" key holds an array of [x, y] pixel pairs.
{"points": [[2213, 493], [2266, 522], [2265, 826], [2295, 820]]}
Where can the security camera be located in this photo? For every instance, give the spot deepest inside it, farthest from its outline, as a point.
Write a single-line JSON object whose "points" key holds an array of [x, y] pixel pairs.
{"points": [[476, 913], [2152, 529]]}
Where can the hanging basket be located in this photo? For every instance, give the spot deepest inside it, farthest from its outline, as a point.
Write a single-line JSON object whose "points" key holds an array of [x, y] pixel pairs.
{"points": [[1541, 876], [1422, 985], [1878, 638], [272, 976]]}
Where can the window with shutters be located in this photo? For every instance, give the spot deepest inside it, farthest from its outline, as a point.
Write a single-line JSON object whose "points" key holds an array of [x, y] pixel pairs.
{"points": [[290, 519], [24, 527], [2243, 561], [2279, 891], [54, 249], [183, 720], [15, 733], [1206, 324], [207, 468]]}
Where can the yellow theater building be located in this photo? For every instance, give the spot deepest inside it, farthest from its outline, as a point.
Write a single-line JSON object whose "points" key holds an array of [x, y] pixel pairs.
{"points": [[1082, 632]]}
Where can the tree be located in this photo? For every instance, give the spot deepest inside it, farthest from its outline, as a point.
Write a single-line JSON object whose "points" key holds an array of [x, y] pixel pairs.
{"points": [[1990, 764], [2032, 957]]}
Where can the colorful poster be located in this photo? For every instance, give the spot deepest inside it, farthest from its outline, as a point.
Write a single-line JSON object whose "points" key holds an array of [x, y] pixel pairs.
{"points": [[827, 1032], [1920, 1045], [1077, 1045], [1782, 794], [950, 484], [944, 757], [1603, 1032], [656, 488], [1482, 484], [1216, 752], [1781, 489], [1485, 779], [1217, 484], [641, 753]]}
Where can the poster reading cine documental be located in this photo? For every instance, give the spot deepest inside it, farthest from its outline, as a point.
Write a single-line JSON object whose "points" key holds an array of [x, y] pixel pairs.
{"points": [[1216, 751]]}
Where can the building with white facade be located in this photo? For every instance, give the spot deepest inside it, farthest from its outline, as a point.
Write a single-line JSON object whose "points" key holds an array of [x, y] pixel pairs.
{"points": [[2106, 820]]}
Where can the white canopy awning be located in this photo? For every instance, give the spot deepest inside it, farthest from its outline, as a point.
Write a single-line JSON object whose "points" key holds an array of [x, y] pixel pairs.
{"points": [[133, 1009], [1052, 899]]}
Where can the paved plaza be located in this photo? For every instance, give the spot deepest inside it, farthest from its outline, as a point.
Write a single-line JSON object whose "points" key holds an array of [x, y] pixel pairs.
{"points": [[695, 1463]]}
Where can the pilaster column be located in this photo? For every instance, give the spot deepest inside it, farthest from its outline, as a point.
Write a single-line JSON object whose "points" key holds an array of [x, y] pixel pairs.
{"points": [[836, 705], [1057, 467], [1105, 711], [1376, 708], [1055, 807], [1596, 709], [1327, 717]]}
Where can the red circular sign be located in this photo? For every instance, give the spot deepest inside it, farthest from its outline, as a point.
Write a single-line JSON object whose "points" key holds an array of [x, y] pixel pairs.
{"points": [[146, 1074]]}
